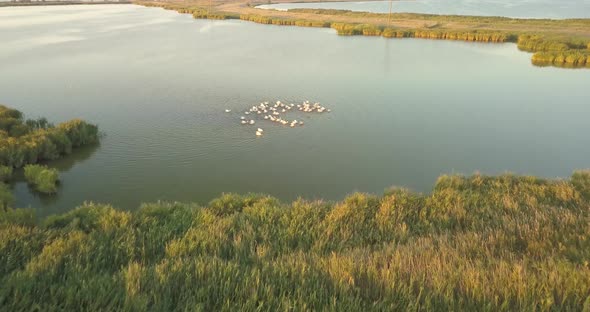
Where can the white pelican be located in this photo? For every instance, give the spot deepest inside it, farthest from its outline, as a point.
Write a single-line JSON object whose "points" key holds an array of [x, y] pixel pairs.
{"points": [[244, 122], [251, 122], [260, 130], [228, 110], [242, 117], [258, 133]]}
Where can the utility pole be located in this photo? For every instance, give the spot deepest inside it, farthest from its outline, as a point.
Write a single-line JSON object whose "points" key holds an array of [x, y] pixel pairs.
{"points": [[389, 16]]}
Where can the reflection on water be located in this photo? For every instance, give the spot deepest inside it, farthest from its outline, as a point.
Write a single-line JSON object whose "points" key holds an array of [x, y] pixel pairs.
{"points": [[78, 155], [403, 111], [20, 186], [386, 57]]}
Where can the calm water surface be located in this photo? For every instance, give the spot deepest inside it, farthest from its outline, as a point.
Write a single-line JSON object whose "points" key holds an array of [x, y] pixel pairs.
{"points": [[157, 83], [555, 9]]}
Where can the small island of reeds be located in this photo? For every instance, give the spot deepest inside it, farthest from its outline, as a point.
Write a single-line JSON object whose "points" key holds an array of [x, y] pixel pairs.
{"points": [[25, 142]]}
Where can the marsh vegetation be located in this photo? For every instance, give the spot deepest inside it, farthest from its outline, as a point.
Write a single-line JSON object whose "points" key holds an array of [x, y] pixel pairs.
{"points": [[491, 243], [29, 141], [501, 243], [25, 142], [42, 178], [554, 42]]}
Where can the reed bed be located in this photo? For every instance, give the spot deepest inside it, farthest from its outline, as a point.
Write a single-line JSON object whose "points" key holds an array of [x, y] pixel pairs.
{"points": [[477, 243], [29, 141], [42, 178], [572, 47]]}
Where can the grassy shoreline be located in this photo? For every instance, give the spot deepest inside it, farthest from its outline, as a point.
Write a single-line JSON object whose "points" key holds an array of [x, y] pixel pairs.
{"points": [[25, 142], [476, 243], [560, 43]]}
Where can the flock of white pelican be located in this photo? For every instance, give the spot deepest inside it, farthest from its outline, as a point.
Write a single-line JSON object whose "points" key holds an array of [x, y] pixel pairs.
{"points": [[272, 113]]}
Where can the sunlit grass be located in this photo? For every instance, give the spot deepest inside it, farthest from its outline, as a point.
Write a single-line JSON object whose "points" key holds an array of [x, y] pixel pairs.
{"points": [[475, 243], [42, 178]]}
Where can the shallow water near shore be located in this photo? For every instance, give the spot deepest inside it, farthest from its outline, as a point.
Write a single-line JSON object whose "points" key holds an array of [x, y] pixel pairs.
{"points": [[553, 9], [404, 111]]}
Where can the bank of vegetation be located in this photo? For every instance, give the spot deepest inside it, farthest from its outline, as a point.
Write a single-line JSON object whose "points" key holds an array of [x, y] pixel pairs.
{"points": [[539, 36], [25, 142], [42, 178], [28, 141], [477, 243]]}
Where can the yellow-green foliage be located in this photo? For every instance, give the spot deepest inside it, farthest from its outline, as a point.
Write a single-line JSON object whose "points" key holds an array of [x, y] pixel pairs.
{"points": [[256, 18], [581, 181], [5, 173], [358, 29], [282, 21], [571, 58], [476, 243], [29, 141], [535, 43], [42, 178], [6, 197], [305, 23], [388, 32]]}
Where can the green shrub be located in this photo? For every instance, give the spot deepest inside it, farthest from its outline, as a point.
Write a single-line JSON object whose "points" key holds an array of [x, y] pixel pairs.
{"points": [[19, 217], [570, 58], [581, 181], [230, 203], [6, 198], [32, 141], [42, 178], [476, 243], [5, 173]]}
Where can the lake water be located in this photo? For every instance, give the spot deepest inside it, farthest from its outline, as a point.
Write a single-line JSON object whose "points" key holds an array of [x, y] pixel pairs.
{"points": [[404, 111], [555, 9]]}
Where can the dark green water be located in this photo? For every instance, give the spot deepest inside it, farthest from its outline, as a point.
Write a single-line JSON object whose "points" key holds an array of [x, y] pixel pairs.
{"points": [[157, 83]]}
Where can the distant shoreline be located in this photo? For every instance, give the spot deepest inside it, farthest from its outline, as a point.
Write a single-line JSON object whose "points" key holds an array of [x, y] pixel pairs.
{"points": [[48, 3], [560, 43]]}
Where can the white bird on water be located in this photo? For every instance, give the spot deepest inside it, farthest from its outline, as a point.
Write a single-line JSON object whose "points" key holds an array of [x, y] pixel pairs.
{"points": [[258, 133], [260, 130], [251, 122], [228, 110]]}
